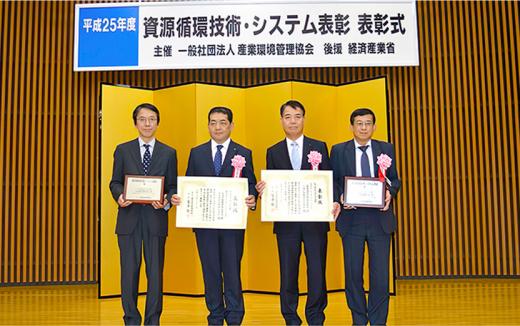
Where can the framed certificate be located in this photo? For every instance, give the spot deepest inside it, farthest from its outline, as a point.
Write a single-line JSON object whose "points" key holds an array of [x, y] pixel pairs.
{"points": [[143, 189], [364, 192], [297, 196], [212, 202]]}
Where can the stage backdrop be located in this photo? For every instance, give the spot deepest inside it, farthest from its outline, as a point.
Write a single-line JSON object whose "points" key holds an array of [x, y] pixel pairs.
{"points": [[183, 125]]}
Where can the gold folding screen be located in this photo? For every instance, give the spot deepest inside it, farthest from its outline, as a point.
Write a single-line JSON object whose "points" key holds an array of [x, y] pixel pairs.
{"points": [[256, 117], [454, 120]]}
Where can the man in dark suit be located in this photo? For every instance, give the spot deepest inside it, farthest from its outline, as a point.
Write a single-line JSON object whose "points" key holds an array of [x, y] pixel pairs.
{"points": [[357, 225], [221, 250], [291, 154], [143, 225]]}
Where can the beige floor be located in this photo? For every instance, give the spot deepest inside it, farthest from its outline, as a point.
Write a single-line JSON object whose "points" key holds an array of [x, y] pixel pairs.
{"points": [[425, 302]]}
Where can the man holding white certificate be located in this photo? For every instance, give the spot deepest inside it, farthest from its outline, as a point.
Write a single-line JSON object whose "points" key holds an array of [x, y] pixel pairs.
{"points": [[221, 249], [360, 165], [297, 152], [144, 179]]}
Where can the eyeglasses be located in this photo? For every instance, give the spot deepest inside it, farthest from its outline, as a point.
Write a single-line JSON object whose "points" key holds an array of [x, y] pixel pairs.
{"points": [[360, 124], [144, 120]]}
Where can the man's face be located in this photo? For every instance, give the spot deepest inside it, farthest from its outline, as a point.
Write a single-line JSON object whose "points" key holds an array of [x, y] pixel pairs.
{"points": [[146, 124], [292, 122], [363, 128], [219, 127]]}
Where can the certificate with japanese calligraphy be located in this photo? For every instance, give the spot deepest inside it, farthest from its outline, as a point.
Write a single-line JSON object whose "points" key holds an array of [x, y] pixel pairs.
{"points": [[212, 203], [297, 196]]}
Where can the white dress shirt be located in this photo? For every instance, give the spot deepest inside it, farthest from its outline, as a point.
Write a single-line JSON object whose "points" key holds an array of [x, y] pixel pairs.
{"points": [[298, 141], [359, 152], [143, 149], [223, 150]]}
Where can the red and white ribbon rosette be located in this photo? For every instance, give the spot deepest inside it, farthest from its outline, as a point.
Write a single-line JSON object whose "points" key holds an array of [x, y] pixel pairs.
{"points": [[384, 161], [314, 159], [238, 162]]}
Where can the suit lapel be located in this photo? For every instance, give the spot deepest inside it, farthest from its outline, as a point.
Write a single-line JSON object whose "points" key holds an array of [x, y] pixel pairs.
{"points": [[157, 155], [376, 151], [136, 155], [208, 156], [285, 154], [306, 150], [350, 158], [231, 152]]}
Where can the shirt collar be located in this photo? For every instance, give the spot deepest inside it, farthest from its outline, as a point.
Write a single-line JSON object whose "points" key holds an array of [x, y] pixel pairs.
{"points": [[369, 144], [299, 141], [224, 144], [151, 143]]}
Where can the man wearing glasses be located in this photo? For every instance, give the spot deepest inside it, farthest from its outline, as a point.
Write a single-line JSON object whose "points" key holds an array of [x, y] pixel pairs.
{"points": [[143, 225], [359, 225]]}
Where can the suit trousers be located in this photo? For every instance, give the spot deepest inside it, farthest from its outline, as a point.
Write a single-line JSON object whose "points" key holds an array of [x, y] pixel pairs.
{"points": [[220, 253], [367, 229], [130, 249], [289, 251]]}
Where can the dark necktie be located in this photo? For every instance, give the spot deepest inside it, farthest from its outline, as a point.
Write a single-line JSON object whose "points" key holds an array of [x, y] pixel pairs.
{"points": [[365, 165], [147, 159], [217, 161]]}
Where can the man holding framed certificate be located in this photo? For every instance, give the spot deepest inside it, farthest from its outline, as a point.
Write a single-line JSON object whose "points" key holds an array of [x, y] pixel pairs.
{"points": [[143, 181], [297, 152], [220, 249], [366, 181]]}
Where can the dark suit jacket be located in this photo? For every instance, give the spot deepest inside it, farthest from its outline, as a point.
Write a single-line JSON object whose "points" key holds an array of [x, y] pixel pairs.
{"points": [[278, 159], [200, 163], [127, 160], [343, 160]]}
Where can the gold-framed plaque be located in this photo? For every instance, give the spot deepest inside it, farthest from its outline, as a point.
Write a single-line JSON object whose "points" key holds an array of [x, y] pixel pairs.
{"points": [[143, 189], [364, 192]]}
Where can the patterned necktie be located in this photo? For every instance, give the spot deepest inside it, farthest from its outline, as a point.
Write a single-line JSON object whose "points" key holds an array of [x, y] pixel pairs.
{"points": [[147, 159], [217, 161], [296, 161], [365, 165]]}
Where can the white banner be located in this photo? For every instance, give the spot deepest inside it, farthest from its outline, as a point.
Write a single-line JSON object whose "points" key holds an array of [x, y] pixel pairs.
{"points": [[244, 34]]}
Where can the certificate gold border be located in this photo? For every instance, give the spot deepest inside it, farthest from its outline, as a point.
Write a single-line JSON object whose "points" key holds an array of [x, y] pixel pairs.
{"points": [[267, 216], [143, 201], [220, 182]]}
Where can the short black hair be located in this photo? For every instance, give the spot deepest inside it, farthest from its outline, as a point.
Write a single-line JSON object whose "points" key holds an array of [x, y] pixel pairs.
{"points": [[360, 112], [294, 104], [147, 106], [222, 109]]}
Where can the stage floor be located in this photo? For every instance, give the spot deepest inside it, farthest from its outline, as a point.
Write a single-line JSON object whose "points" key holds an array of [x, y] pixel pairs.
{"points": [[418, 302]]}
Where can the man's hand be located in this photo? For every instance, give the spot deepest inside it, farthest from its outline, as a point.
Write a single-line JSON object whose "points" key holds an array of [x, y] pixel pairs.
{"points": [[122, 202], [160, 204], [176, 200], [260, 186], [250, 201], [388, 200], [336, 209], [343, 203]]}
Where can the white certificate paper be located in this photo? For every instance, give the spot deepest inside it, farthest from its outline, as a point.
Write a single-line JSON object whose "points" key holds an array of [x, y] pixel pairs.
{"points": [[212, 203], [364, 192], [297, 196], [143, 189]]}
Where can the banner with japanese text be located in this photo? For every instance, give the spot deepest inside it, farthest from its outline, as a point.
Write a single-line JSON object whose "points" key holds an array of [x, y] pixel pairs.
{"points": [[245, 34]]}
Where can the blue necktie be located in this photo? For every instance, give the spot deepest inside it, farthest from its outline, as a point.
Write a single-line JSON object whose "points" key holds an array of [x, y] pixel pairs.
{"points": [[217, 161], [365, 165], [296, 161], [147, 159]]}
